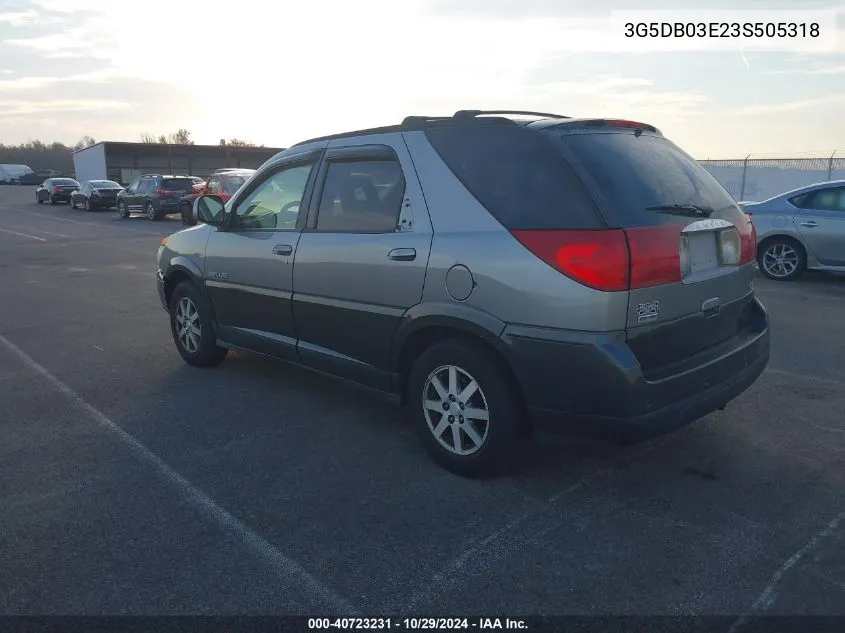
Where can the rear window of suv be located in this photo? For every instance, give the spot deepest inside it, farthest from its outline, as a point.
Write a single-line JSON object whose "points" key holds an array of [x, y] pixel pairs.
{"points": [[517, 175], [629, 172], [177, 184]]}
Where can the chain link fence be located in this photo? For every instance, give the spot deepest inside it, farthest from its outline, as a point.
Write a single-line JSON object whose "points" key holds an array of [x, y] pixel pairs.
{"points": [[759, 178]]}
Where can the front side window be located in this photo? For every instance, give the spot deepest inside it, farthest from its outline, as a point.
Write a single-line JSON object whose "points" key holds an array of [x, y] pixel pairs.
{"points": [[362, 196], [213, 185], [275, 203]]}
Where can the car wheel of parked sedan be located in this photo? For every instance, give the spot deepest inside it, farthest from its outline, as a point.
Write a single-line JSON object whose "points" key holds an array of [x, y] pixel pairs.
{"points": [[150, 210], [190, 324], [465, 407], [782, 259], [122, 209], [72, 203], [53, 201]]}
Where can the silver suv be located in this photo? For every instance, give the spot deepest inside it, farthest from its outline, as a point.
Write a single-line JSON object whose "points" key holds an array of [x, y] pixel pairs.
{"points": [[496, 272]]}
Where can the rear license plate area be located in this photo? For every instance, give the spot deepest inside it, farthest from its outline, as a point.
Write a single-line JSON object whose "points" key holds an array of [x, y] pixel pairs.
{"points": [[703, 251]]}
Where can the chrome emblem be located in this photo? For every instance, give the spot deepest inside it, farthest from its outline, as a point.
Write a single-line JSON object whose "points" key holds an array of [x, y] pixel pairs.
{"points": [[647, 312]]}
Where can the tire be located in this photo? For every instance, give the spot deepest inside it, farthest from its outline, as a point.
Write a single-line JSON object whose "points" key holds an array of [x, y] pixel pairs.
{"points": [[496, 392], [123, 210], [53, 201], [39, 200], [150, 211], [201, 350], [72, 203], [782, 259]]}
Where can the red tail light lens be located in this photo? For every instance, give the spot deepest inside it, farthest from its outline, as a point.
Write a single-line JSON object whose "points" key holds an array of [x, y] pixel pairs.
{"points": [[598, 259], [612, 260], [747, 239], [655, 255], [161, 192]]}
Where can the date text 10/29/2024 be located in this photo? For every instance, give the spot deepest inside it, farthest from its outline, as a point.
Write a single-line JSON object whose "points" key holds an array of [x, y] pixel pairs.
{"points": [[416, 624]]}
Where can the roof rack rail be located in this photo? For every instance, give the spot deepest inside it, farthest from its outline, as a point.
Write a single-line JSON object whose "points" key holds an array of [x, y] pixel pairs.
{"points": [[474, 113], [410, 120]]}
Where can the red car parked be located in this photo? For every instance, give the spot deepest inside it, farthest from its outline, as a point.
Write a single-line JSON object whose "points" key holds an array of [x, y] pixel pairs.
{"points": [[223, 183]]}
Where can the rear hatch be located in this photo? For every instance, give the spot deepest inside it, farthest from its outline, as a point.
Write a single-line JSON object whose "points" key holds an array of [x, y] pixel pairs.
{"points": [[691, 248], [175, 187]]}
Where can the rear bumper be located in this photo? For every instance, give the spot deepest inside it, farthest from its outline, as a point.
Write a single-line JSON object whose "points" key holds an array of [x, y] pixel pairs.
{"points": [[169, 206], [579, 383]]}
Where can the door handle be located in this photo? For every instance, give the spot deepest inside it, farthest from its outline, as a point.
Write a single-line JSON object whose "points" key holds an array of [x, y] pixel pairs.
{"points": [[282, 249], [810, 224], [403, 254]]}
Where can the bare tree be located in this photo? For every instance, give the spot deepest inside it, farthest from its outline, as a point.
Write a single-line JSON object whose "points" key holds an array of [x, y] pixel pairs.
{"points": [[236, 142], [148, 138], [85, 141], [181, 137]]}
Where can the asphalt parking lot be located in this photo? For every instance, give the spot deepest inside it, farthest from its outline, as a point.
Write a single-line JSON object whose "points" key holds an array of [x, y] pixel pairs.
{"points": [[131, 483]]}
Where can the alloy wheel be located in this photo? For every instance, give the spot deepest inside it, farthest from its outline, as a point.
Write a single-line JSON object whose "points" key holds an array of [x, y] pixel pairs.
{"points": [[456, 410], [780, 260], [188, 326]]}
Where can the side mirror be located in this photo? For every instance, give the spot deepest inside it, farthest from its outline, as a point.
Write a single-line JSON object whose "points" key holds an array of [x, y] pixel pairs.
{"points": [[209, 209]]}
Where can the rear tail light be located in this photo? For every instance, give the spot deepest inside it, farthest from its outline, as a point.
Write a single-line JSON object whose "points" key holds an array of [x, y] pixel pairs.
{"points": [[58, 189], [598, 259], [655, 255], [730, 247], [747, 239]]}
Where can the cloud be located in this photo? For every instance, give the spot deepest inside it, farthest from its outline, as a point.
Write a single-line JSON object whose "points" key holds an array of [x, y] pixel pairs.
{"points": [[18, 18], [825, 70], [788, 106]]}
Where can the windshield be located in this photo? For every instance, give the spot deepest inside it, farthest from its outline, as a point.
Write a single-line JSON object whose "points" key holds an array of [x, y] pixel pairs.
{"points": [[644, 179]]}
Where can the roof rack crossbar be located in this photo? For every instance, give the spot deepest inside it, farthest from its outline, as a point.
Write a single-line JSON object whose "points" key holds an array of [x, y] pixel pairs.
{"points": [[474, 113]]}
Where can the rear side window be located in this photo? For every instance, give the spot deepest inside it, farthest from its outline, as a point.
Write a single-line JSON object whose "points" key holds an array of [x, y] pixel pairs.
{"points": [[177, 184], [628, 173], [517, 175]]}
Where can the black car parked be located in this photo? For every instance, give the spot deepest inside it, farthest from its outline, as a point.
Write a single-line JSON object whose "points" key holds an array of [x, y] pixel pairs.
{"points": [[54, 190], [96, 194], [37, 177], [155, 195]]}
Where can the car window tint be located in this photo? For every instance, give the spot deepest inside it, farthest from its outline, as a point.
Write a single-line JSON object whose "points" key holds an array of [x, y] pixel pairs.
{"points": [[362, 196], [828, 199], [275, 203]]}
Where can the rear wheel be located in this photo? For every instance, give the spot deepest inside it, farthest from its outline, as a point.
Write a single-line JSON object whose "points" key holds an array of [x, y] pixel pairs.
{"points": [[52, 201], [465, 407], [782, 259], [190, 324]]}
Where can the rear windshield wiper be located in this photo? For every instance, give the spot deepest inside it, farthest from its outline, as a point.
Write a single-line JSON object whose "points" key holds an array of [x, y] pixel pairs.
{"points": [[688, 210]]}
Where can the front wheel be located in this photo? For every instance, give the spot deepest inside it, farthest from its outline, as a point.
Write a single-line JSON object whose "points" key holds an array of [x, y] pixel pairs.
{"points": [[782, 259], [150, 211], [465, 407], [39, 200], [72, 203], [190, 325], [122, 209]]}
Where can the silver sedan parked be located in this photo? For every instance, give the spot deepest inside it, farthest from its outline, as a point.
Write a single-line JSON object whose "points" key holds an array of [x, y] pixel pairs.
{"points": [[802, 229]]}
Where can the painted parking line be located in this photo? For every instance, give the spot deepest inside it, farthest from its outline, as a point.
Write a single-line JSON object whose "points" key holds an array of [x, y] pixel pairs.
{"points": [[287, 568], [32, 237]]}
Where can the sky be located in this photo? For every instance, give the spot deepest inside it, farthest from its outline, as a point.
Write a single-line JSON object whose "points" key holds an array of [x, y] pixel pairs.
{"points": [[276, 73]]}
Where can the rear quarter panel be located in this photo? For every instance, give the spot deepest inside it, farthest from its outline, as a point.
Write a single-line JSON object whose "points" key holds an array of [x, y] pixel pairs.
{"points": [[510, 283]]}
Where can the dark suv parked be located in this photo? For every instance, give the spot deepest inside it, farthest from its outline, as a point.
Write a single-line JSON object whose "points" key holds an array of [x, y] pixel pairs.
{"points": [[154, 195], [495, 273]]}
